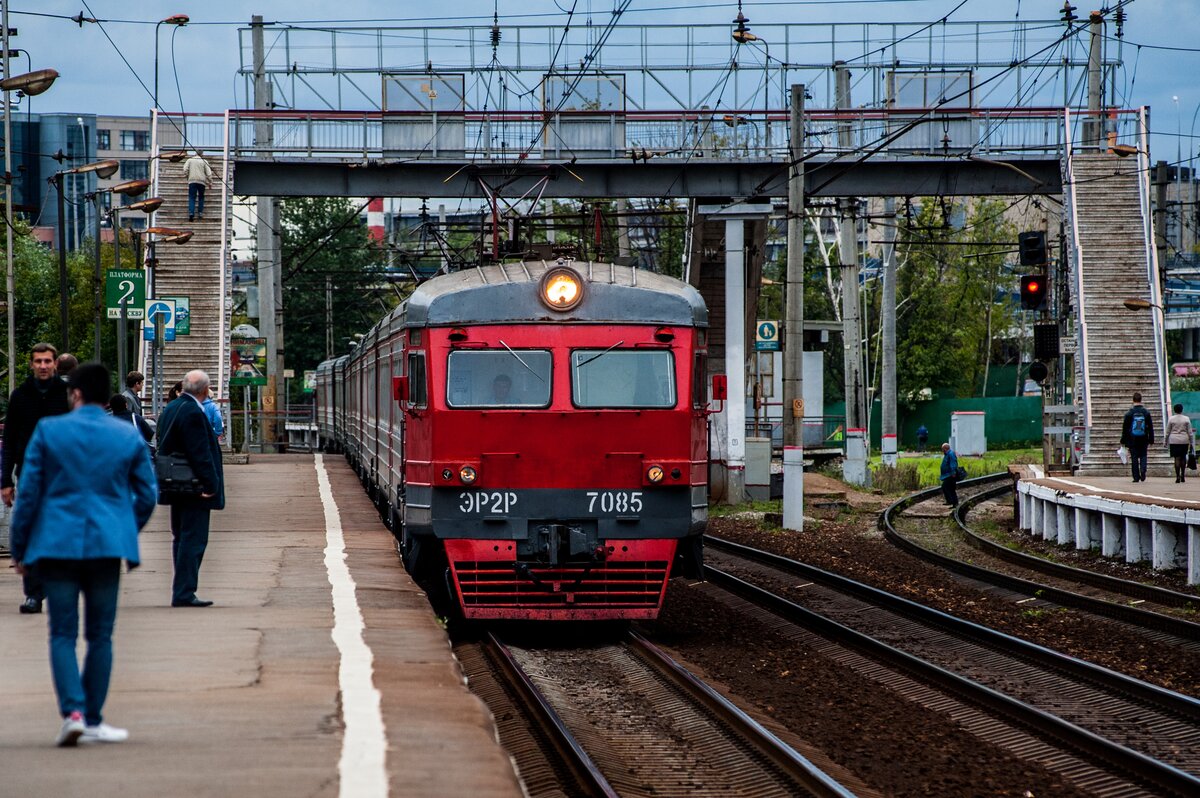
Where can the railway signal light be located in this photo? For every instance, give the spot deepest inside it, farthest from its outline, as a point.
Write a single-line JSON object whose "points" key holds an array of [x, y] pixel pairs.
{"points": [[1038, 371], [1033, 291], [1032, 247]]}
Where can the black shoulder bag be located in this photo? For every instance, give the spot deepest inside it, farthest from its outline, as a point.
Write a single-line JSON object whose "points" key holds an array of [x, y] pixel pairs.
{"points": [[176, 479]]}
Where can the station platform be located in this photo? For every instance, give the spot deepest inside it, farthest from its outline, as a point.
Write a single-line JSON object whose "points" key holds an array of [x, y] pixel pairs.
{"points": [[270, 692], [1157, 520]]}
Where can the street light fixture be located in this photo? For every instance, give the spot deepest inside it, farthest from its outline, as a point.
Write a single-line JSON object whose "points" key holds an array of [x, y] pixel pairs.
{"points": [[1134, 303], [179, 20], [31, 83]]}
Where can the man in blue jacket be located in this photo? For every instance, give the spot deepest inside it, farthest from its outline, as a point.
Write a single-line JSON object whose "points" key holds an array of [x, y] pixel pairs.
{"points": [[949, 475], [87, 488], [184, 429]]}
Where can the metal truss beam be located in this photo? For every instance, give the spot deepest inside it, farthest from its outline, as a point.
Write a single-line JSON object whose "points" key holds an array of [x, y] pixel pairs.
{"points": [[696, 178]]}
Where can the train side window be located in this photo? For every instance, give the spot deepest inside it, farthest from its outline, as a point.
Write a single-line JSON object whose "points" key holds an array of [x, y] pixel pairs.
{"points": [[699, 386], [418, 393]]}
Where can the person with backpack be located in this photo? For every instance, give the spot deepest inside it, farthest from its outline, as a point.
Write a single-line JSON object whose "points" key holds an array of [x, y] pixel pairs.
{"points": [[1137, 434]]}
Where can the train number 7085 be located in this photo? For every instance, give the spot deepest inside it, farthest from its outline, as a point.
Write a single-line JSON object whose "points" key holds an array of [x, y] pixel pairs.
{"points": [[619, 501]]}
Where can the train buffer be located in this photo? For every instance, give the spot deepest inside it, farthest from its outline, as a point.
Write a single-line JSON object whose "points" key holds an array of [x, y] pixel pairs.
{"points": [[258, 694]]}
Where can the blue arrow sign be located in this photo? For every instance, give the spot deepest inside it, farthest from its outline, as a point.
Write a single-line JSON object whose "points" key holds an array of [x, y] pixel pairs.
{"points": [[156, 309]]}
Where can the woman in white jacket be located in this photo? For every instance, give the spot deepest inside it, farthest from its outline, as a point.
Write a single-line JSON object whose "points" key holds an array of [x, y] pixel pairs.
{"points": [[1179, 439]]}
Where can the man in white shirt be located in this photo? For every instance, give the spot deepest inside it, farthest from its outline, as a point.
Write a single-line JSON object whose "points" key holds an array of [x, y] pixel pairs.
{"points": [[199, 175]]}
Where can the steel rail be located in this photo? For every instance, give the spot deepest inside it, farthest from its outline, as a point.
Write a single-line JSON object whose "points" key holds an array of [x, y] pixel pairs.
{"points": [[588, 780], [1135, 615], [1147, 770], [1182, 706], [782, 755], [1158, 595]]}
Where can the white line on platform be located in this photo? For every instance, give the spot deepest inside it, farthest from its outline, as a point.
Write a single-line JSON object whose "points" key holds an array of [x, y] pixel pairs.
{"points": [[1119, 492], [362, 768]]}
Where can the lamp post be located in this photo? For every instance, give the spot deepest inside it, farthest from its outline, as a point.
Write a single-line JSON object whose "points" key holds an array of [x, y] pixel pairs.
{"points": [[178, 20], [1179, 172], [31, 83], [130, 188], [146, 206], [169, 236], [103, 169]]}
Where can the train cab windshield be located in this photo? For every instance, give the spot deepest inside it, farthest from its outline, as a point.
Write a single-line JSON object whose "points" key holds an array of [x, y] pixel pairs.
{"points": [[498, 378], [622, 378]]}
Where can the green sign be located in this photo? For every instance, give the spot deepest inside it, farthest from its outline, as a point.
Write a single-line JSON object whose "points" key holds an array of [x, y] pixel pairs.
{"points": [[310, 381], [126, 286], [183, 314], [248, 361]]}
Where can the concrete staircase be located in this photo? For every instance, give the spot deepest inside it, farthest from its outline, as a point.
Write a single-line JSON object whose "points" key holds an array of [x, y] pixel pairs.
{"points": [[1120, 344], [192, 270]]}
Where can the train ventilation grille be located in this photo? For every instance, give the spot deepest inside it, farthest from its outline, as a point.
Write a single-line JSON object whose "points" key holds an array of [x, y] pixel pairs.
{"points": [[612, 584]]}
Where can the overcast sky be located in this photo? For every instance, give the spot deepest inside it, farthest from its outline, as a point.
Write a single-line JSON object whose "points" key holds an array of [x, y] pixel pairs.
{"points": [[95, 79]]}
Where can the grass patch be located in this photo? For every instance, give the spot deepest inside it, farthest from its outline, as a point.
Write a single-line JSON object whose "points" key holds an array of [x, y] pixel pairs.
{"points": [[725, 510], [928, 467]]}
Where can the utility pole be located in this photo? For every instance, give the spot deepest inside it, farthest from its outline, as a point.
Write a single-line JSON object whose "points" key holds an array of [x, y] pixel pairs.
{"points": [[328, 317], [887, 433], [855, 464], [793, 324], [269, 277], [10, 283], [623, 250], [1094, 126]]}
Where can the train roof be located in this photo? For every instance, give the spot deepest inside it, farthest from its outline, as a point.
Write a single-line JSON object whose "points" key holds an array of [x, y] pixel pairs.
{"points": [[509, 293]]}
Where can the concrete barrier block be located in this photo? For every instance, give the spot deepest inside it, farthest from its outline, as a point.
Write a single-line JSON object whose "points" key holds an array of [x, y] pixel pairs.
{"points": [[1065, 524], [1113, 535]]}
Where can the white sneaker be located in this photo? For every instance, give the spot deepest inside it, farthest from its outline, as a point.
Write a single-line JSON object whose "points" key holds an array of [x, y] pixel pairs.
{"points": [[72, 729], [104, 734]]}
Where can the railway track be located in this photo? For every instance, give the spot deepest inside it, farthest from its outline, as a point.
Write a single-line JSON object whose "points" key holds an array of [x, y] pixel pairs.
{"points": [[1099, 594], [626, 720], [1109, 733]]}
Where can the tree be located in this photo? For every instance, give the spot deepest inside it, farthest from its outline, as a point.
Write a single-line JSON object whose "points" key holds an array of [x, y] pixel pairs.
{"points": [[325, 243], [953, 290]]}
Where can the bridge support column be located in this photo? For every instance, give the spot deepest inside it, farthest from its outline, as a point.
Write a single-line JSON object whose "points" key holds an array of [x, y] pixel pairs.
{"points": [[735, 358]]}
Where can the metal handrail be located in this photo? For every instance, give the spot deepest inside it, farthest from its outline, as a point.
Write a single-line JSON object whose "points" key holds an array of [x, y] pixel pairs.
{"points": [[1152, 266], [1077, 252]]}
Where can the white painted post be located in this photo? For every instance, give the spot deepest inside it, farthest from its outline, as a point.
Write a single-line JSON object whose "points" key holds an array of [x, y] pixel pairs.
{"points": [[1049, 520], [1037, 516], [1083, 529], [1162, 552], [1135, 543], [1024, 510], [1065, 533], [1113, 535], [1193, 563], [735, 358], [793, 487], [854, 468]]}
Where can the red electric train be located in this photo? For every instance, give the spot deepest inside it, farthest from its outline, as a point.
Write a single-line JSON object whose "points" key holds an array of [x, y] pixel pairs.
{"points": [[536, 432]]}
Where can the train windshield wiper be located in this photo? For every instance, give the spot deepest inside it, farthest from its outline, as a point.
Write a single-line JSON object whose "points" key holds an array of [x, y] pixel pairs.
{"points": [[522, 362], [599, 355]]}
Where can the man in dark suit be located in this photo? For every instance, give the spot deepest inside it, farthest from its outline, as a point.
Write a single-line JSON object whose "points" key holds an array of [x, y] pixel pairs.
{"points": [[183, 429]]}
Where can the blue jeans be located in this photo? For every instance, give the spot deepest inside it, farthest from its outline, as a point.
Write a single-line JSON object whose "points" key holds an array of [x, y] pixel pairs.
{"points": [[1137, 460], [195, 199], [98, 580]]}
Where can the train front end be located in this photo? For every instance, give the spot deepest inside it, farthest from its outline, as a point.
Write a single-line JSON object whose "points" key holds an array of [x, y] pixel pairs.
{"points": [[566, 449]]}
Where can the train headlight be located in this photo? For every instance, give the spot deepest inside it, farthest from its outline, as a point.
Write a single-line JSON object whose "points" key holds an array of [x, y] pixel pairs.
{"points": [[467, 474], [562, 288], [655, 474]]}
